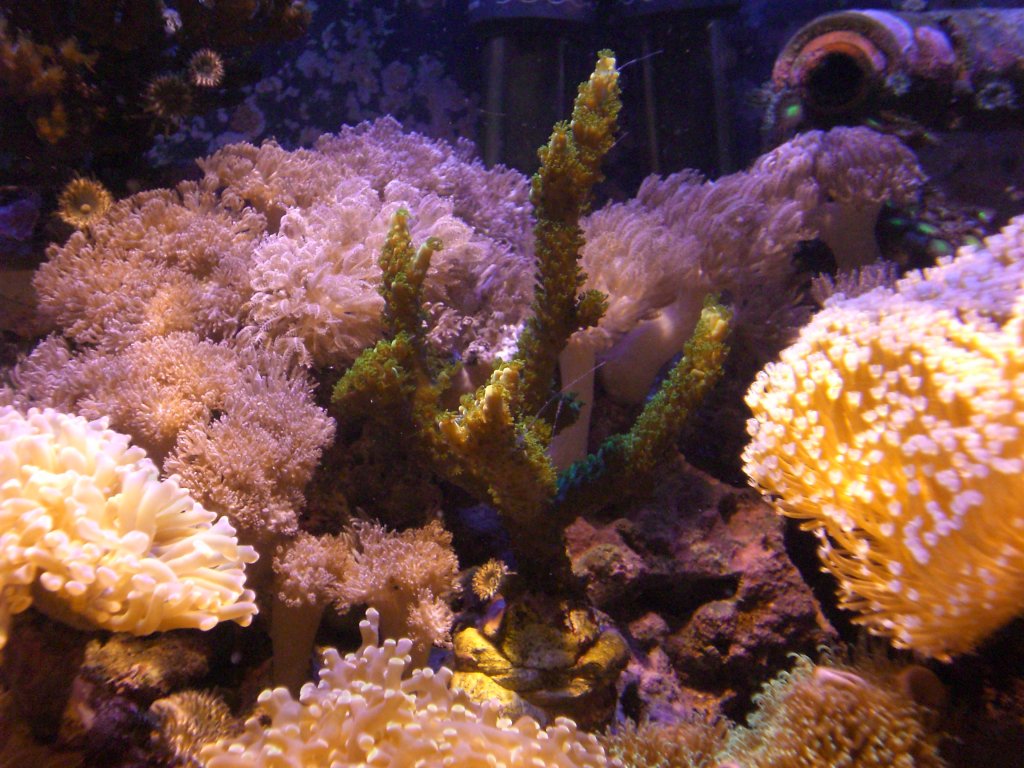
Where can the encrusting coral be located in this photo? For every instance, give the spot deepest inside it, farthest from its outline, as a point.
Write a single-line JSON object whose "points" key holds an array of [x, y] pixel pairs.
{"points": [[369, 707], [892, 427], [93, 535]]}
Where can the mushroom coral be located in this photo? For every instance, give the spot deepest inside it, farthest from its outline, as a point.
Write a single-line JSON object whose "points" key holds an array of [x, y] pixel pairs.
{"points": [[365, 710], [892, 427], [90, 533]]}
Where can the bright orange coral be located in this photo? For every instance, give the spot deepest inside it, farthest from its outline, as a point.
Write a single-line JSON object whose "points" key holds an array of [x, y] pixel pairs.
{"points": [[893, 428]]}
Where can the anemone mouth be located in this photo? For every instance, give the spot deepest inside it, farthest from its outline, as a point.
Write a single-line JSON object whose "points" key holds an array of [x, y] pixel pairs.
{"points": [[206, 68], [168, 97], [836, 62], [837, 83], [82, 202]]}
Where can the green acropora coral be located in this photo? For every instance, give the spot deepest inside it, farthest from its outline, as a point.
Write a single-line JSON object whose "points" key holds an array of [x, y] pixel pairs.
{"points": [[494, 445], [570, 166]]}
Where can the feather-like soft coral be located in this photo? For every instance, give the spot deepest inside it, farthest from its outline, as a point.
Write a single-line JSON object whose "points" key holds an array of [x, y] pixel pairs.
{"points": [[408, 577]]}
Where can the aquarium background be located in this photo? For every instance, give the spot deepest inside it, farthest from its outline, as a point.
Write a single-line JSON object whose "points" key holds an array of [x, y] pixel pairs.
{"points": [[668, 609]]}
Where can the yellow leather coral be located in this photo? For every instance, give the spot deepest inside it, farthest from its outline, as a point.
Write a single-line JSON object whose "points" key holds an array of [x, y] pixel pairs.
{"points": [[89, 532], [363, 712], [893, 428]]}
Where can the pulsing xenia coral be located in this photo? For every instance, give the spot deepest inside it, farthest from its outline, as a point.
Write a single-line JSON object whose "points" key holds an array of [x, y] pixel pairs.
{"points": [[893, 428], [91, 532], [366, 711]]}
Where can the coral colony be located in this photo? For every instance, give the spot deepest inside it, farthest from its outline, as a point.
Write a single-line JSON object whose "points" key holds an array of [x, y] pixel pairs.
{"points": [[365, 454]]}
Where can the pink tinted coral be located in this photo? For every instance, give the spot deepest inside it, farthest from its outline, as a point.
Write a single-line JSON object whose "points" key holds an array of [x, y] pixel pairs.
{"points": [[238, 424], [314, 278], [314, 281], [153, 264], [690, 237], [254, 460], [181, 260], [408, 577], [268, 178], [494, 201], [309, 570]]}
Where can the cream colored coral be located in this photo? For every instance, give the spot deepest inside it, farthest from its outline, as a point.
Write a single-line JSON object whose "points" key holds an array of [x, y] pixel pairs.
{"points": [[408, 577], [158, 261], [88, 530], [893, 427], [364, 711]]}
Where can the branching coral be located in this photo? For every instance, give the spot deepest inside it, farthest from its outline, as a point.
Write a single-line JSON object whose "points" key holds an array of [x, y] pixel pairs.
{"points": [[91, 532], [892, 427], [315, 278], [495, 445], [570, 165], [656, 257], [363, 711]]}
